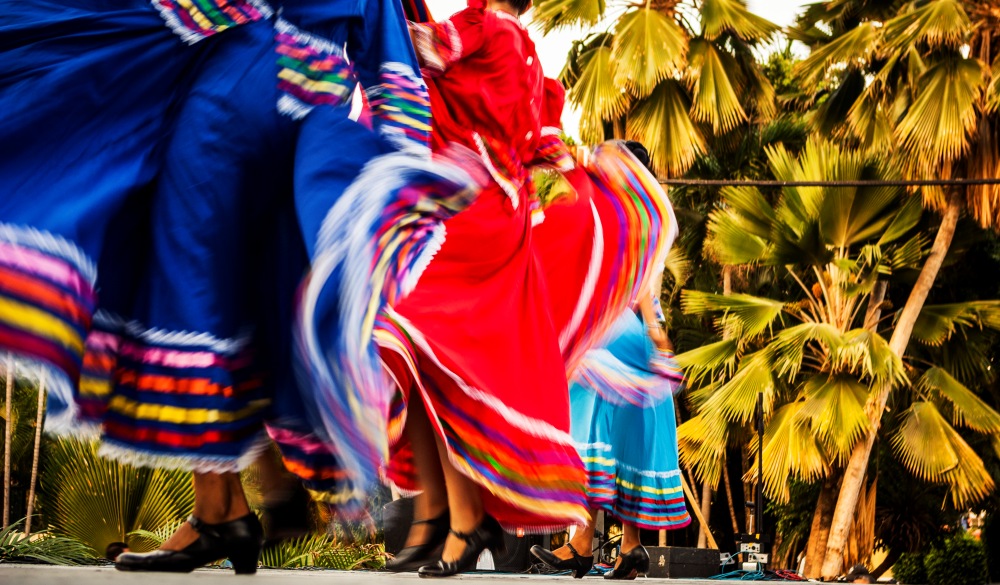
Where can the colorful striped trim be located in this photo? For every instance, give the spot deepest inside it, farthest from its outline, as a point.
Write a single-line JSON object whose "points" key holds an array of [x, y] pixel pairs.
{"points": [[649, 499], [47, 301], [640, 227], [545, 481], [172, 399], [438, 46], [194, 20], [313, 461], [552, 152], [402, 107], [371, 248], [312, 71]]}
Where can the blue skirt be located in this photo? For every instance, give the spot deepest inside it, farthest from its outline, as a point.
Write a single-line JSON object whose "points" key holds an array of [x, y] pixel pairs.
{"points": [[629, 446]]}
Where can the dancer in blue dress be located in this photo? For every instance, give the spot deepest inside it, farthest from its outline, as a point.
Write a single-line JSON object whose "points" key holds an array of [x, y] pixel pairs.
{"points": [[622, 421]]}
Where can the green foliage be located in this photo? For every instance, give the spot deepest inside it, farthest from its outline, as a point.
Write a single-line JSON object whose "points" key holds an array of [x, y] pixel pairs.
{"points": [[24, 408], [41, 547], [326, 551], [99, 501], [909, 569], [961, 561]]}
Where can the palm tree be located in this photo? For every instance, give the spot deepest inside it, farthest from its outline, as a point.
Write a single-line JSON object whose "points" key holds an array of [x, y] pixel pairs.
{"points": [[669, 73], [816, 353], [921, 78]]}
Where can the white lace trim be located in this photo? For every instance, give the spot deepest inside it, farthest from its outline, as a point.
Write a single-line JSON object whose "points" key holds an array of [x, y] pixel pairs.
{"points": [[551, 131], [293, 107], [314, 42], [51, 244], [155, 336], [127, 454]]}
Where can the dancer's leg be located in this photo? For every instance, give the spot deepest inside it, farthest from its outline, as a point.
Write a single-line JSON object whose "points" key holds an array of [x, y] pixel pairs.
{"points": [[582, 541], [464, 501], [433, 501], [630, 537], [218, 497]]}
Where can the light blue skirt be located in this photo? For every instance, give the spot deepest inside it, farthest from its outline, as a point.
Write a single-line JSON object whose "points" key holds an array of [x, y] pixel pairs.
{"points": [[623, 422]]}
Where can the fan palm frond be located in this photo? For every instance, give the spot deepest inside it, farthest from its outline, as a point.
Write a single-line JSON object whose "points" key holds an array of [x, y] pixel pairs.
{"points": [[754, 314], [941, 23], [661, 122], [836, 407], [720, 16], [650, 46], [969, 410], [552, 14]]}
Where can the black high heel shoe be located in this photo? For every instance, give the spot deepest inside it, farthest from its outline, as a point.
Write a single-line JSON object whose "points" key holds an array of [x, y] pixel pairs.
{"points": [[412, 558], [579, 564], [240, 540], [634, 562], [488, 535]]}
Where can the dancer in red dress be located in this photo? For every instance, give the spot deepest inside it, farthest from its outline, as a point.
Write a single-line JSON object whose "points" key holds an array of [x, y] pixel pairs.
{"points": [[479, 338]]}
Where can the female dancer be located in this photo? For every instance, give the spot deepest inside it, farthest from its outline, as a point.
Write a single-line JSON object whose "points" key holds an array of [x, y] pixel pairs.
{"points": [[183, 358], [624, 427], [479, 412]]}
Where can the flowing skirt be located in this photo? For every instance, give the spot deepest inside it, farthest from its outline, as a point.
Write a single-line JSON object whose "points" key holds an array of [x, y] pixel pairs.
{"points": [[484, 341], [624, 427]]}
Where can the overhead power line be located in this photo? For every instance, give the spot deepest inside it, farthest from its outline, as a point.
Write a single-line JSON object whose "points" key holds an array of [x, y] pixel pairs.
{"points": [[871, 183]]}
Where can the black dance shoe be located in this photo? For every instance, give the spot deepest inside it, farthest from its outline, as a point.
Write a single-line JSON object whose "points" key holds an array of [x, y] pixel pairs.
{"points": [[633, 562], [239, 540], [412, 558], [580, 565], [488, 535], [287, 517]]}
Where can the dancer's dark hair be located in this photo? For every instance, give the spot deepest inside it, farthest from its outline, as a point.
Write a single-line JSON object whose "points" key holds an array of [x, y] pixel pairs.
{"points": [[520, 5], [639, 151]]}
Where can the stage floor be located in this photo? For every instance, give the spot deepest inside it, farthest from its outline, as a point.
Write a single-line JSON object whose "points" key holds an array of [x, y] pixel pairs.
{"points": [[43, 574]]}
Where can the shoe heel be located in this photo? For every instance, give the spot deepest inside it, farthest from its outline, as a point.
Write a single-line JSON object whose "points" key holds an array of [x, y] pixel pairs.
{"points": [[245, 561], [642, 566], [581, 572]]}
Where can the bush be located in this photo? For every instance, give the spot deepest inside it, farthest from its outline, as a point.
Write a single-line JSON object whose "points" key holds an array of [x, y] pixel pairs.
{"points": [[961, 561], [909, 569]]}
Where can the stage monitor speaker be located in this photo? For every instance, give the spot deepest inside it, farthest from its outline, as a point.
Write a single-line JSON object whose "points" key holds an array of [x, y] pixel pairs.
{"points": [[398, 515], [676, 562]]}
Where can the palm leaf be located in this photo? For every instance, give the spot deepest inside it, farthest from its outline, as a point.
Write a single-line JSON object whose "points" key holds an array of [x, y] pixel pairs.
{"points": [[937, 323], [648, 46], [836, 407], [99, 501], [941, 120], [869, 353], [551, 14], [706, 360], [789, 346], [736, 400], [661, 122], [905, 220], [848, 47], [41, 547], [754, 314], [910, 254], [969, 409], [719, 16], [938, 23], [596, 93], [869, 121], [934, 451], [714, 97], [701, 442], [751, 204], [731, 239], [790, 450]]}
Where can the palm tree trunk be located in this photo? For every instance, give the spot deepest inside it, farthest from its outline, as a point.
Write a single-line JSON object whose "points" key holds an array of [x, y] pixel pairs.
{"points": [[8, 429], [854, 475], [38, 450], [706, 511], [820, 529]]}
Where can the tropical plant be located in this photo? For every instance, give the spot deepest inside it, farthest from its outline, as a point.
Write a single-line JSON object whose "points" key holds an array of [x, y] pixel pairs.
{"points": [[815, 351], [323, 550], [668, 73], [921, 79], [16, 546], [23, 416], [909, 569], [99, 501], [960, 561]]}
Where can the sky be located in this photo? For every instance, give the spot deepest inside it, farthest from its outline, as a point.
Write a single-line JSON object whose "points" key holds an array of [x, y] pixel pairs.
{"points": [[553, 48]]}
